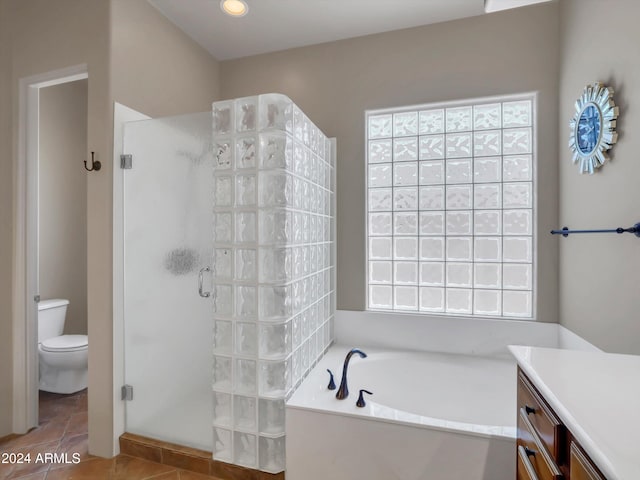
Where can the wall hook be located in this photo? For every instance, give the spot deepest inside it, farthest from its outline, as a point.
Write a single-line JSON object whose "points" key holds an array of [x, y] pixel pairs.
{"points": [[95, 164]]}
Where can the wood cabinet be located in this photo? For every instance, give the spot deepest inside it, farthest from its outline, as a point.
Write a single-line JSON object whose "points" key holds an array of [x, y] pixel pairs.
{"points": [[581, 467], [546, 449]]}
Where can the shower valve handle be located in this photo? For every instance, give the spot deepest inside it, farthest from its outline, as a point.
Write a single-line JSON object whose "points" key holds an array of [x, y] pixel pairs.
{"points": [[201, 281]]}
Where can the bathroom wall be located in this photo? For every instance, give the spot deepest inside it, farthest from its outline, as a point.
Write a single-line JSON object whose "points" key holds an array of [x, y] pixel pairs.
{"points": [[334, 83], [46, 36], [51, 35], [6, 231], [599, 281], [63, 199], [155, 68]]}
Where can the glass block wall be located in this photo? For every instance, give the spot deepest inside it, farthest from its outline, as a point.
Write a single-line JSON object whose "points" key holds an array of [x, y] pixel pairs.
{"points": [[273, 270], [451, 208]]}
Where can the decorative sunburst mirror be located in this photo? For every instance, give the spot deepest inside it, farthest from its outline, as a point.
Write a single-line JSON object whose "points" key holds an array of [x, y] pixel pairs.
{"points": [[593, 127]]}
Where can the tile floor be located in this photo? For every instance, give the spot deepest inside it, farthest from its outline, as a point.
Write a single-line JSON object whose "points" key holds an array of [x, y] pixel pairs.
{"points": [[63, 429]]}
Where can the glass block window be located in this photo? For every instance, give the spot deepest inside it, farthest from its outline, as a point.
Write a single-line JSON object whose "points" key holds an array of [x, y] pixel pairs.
{"points": [[450, 208]]}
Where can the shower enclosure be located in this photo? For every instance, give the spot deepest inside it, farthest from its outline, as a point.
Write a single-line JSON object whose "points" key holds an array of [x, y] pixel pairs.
{"points": [[229, 274]]}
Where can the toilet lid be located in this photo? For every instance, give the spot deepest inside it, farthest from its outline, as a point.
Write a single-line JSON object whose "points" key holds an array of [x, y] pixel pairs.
{"points": [[65, 343]]}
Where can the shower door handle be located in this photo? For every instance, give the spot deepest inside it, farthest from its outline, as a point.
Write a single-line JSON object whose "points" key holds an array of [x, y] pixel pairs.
{"points": [[201, 281]]}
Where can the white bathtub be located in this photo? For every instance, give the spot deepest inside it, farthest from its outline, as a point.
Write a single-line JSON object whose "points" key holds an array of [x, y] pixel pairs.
{"points": [[432, 416]]}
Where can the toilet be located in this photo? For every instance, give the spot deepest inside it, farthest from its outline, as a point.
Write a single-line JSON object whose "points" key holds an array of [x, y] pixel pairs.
{"points": [[63, 359]]}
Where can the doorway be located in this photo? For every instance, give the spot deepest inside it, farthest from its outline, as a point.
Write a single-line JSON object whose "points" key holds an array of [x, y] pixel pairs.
{"points": [[62, 244], [26, 272]]}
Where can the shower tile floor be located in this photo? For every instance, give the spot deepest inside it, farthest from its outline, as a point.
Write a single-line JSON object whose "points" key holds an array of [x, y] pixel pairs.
{"points": [[63, 429]]}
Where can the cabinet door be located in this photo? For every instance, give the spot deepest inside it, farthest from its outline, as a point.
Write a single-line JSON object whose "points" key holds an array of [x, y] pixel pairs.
{"points": [[581, 467]]}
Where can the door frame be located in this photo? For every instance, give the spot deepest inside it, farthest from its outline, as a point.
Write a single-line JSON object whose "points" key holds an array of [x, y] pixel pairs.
{"points": [[25, 266]]}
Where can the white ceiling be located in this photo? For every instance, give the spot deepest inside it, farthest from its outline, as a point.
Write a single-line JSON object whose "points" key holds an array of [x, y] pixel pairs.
{"points": [[273, 25]]}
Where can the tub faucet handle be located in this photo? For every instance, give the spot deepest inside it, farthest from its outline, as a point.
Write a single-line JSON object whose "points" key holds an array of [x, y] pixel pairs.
{"points": [[361, 403], [332, 384]]}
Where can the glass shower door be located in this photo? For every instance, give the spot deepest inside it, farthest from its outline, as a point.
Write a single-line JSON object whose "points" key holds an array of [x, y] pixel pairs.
{"points": [[168, 247]]}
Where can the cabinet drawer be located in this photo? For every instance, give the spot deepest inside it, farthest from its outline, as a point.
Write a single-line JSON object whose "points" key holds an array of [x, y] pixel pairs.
{"points": [[580, 466], [543, 420], [543, 464], [526, 471]]}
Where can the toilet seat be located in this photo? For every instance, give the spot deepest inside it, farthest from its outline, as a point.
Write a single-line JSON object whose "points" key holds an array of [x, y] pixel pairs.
{"points": [[65, 343]]}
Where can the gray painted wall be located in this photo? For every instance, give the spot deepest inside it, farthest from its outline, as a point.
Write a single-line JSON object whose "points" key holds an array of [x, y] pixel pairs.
{"points": [[599, 281], [63, 199], [6, 229], [334, 83]]}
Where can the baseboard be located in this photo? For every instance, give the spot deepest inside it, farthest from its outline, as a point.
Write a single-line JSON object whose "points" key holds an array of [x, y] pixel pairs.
{"points": [[186, 458]]}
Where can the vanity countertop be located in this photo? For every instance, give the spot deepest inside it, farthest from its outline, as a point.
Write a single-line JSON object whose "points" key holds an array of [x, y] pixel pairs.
{"points": [[597, 396]]}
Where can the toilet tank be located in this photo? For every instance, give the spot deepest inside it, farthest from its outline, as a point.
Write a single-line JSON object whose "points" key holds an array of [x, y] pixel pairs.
{"points": [[51, 316]]}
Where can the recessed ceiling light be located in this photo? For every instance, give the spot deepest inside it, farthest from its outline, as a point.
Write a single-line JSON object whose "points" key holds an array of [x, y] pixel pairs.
{"points": [[235, 8], [497, 5]]}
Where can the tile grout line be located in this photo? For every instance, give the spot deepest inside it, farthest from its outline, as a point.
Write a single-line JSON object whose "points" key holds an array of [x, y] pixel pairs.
{"points": [[161, 474]]}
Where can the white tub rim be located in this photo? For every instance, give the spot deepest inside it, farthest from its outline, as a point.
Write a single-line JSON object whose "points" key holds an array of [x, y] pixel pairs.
{"points": [[460, 428]]}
